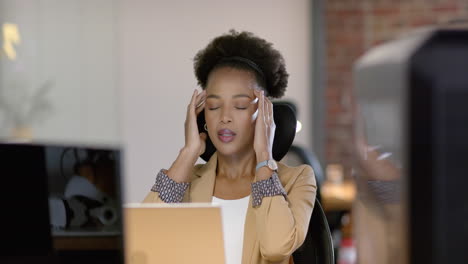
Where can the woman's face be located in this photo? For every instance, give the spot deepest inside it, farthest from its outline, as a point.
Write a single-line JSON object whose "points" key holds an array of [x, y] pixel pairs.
{"points": [[231, 110]]}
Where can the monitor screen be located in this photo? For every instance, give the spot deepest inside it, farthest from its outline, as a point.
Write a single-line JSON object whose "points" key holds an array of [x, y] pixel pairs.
{"points": [[61, 202]]}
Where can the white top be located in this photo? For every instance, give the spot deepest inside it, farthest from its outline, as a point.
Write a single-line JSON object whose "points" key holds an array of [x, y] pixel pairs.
{"points": [[233, 214]]}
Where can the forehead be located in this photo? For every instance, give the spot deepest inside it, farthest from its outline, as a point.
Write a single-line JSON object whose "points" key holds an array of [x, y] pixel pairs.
{"points": [[230, 81]]}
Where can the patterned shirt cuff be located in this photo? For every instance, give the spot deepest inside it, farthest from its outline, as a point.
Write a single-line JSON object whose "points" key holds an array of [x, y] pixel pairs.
{"points": [[169, 190], [386, 191], [269, 187]]}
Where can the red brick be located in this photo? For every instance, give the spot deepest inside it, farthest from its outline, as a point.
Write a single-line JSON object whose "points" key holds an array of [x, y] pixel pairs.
{"points": [[451, 7], [422, 21], [333, 106], [339, 68], [333, 94], [386, 11], [346, 40], [346, 13], [333, 88]]}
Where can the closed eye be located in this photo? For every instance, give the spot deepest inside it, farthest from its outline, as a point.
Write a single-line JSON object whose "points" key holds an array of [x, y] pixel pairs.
{"points": [[212, 108], [241, 108]]}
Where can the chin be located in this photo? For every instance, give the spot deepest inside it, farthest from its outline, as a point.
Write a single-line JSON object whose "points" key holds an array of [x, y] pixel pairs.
{"points": [[226, 150], [231, 150]]}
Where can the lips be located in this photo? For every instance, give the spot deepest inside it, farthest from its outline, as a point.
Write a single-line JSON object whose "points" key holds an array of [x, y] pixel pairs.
{"points": [[226, 135]]}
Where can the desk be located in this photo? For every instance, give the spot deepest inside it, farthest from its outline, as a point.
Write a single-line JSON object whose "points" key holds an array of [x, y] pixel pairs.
{"points": [[76, 240], [87, 243], [338, 196]]}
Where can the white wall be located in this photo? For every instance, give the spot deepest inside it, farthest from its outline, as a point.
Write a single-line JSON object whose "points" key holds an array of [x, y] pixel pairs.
{"points": [[158, 42], [68, 46]]}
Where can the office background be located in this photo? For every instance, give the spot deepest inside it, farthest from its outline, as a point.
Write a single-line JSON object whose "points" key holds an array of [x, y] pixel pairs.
{"points": [[120, 73]]}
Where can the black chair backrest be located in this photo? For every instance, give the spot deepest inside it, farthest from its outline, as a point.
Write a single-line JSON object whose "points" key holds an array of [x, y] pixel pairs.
{"points": [[309, 157], [318, 244], [285, 120], [300, 155]]}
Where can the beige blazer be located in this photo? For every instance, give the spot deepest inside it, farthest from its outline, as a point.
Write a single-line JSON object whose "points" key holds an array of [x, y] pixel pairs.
{"points": [[275, 229]]}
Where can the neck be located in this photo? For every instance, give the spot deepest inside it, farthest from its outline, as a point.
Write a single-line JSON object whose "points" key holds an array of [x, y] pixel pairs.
{"points": [[236, 167]]}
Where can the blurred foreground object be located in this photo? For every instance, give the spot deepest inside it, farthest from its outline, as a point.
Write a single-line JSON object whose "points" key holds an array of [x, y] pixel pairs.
{"points": [[412, 94]]}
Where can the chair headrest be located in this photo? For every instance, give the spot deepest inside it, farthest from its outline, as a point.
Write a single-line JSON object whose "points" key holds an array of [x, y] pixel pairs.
{"points": [[285, 120]]}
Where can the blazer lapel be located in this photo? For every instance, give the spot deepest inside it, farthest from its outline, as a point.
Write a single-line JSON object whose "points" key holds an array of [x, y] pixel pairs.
{"points": [[250, 234], [202, 188]]}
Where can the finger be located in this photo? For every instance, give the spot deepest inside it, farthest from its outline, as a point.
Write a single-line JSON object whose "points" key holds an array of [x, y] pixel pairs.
{"points": [[200, 107], [265, 108], [194, 96], [261, 108], [258, 95], [272, 114], [255, 100], [190, 103], [192, 100], [200, 97], [270, 110]]}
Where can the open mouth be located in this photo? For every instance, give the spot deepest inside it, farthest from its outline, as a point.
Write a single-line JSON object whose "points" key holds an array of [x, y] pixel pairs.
{"points": [[226, 135]]}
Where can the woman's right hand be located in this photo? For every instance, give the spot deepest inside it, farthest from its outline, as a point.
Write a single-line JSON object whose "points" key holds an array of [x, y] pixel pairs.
{"points": [[195, 139], [181, 169]]}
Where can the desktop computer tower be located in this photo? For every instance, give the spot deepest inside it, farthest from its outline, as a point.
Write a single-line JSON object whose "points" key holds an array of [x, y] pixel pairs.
{"points": [[412, 95]]}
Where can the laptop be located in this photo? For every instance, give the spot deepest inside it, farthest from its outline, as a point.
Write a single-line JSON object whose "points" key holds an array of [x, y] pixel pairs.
{"points": [[173, 233]]}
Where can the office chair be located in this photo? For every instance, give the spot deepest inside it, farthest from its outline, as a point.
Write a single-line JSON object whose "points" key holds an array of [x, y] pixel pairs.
{"points": [[318, 245], [298, 155], [319, 223]]}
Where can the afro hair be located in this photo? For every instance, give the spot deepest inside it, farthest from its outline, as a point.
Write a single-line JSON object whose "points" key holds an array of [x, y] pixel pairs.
{"points": [[248, 46]]}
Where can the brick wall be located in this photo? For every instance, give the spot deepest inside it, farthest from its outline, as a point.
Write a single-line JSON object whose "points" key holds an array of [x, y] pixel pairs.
{"points": [[354, 26]]}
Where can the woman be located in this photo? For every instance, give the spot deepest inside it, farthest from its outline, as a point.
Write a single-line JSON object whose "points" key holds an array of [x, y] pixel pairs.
{"points": [[270, 203]]}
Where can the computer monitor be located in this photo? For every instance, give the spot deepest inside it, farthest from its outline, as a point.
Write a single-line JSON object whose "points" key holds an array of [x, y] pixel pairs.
{"points": [[25, 214], [61, 203], [413, 96]]}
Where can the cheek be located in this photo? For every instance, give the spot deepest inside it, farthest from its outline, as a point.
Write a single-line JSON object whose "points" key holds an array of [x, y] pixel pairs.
{"points": [[210, 123], [248, 121], [209, 117]]}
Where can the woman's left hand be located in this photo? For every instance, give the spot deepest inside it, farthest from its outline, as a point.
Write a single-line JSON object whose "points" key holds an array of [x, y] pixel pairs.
{"points": [[264, 128]]}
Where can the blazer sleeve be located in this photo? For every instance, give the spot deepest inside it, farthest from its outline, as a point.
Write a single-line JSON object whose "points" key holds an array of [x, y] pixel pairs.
{"points": [[170, 190], [152, 197], [165, 190], [281, 223]]}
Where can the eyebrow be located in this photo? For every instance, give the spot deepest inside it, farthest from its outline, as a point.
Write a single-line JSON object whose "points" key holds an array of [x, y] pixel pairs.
{"points": [[241, 96], [234, 96]]}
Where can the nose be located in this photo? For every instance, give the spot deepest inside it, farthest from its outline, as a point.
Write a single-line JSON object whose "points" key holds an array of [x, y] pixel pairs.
{"points": [[226, 116]]}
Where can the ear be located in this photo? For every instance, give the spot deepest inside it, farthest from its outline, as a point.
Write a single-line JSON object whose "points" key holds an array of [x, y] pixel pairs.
{"points": [[209, 148]]}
